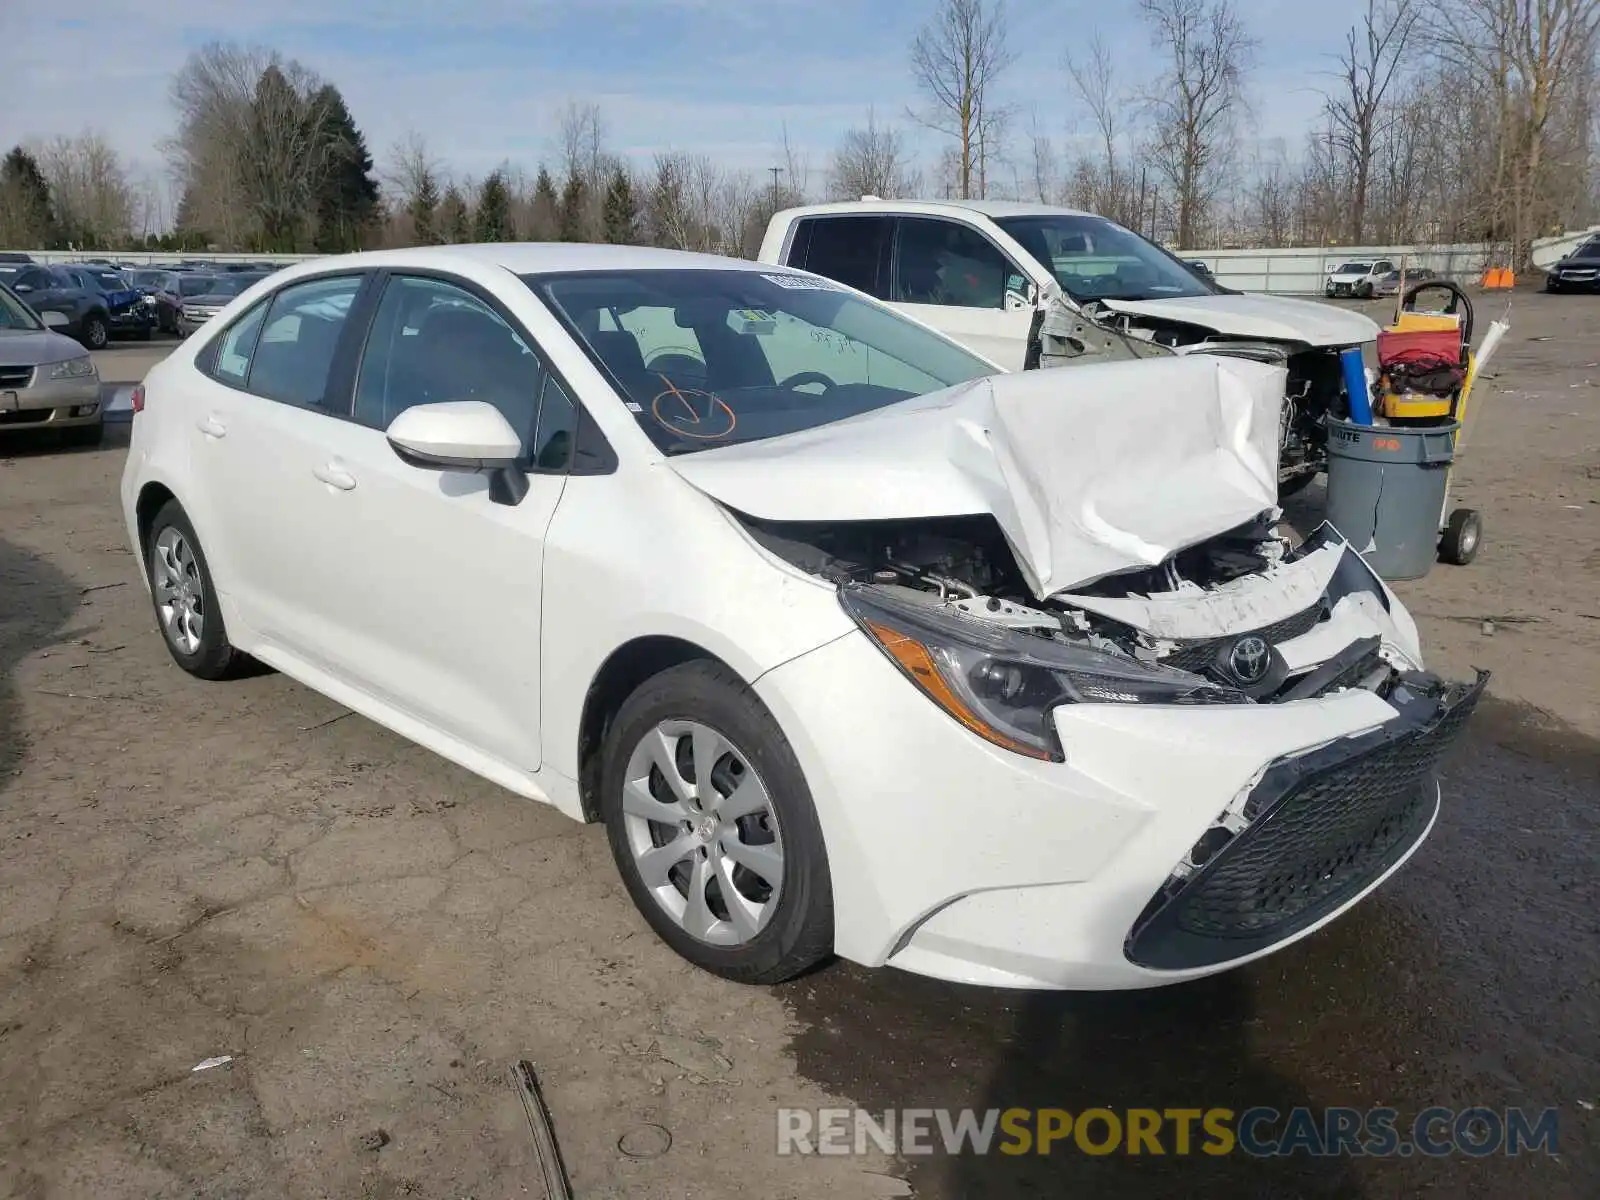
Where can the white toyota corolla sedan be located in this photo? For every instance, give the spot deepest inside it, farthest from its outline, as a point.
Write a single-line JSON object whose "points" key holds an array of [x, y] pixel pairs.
{"points": [[854, 645]]}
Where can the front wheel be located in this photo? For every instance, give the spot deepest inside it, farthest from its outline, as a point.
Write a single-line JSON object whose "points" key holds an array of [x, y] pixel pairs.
{"points": [[713, 829], [1463, 534]]}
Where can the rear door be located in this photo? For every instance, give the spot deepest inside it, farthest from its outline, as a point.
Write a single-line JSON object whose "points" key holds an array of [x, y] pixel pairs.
{"points": [[263, 416], [850, 248], [950, 275]]}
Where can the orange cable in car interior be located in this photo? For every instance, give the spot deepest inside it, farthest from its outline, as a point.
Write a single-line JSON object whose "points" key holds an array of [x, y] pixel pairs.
{"points": [[915, 660]]}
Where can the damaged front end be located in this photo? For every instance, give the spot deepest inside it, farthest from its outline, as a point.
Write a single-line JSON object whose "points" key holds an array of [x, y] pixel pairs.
{"points": [[1243, 618]]}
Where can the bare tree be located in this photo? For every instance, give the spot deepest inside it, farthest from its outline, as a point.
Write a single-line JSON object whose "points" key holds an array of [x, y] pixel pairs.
{"points": [[1108, 178], [1373, 56], [414, 176], [95, 205], [956, 62], [250, 148], [1530, 54], [871, 160], [1196, 100], [1044, 182]]}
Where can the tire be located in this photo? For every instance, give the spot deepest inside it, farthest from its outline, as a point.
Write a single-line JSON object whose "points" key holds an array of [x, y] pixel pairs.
{"points": [[84, 435], [211, 655], [1463, 534], [1364, 291], [706, 703], [96, 333]]}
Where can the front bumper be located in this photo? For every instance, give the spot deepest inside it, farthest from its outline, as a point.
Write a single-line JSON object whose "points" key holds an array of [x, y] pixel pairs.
{"points": [[953, 858], [191, 319], [56, 404], [1574, 279]]}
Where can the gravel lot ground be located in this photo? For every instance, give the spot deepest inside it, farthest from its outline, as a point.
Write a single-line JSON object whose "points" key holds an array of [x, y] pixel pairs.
{"points": [[191, 870]]}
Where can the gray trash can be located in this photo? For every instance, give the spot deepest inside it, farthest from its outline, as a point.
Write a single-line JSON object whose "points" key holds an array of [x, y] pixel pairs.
{"points": [[1386, 490]]}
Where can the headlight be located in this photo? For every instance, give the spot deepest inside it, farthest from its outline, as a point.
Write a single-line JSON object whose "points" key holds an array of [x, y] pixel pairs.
{"points": [[1002, 684], [73, 368]]}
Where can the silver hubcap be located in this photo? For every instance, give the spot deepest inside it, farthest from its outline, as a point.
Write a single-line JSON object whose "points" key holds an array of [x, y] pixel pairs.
{"points": [[703, 832], [180, 596]]}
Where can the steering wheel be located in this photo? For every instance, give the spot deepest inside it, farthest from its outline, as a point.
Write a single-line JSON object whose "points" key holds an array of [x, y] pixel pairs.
{"points": [[800, 378]]}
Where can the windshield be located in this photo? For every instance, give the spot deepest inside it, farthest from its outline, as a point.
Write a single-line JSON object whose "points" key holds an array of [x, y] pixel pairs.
{"points": [[14, 314], [1353, 268], [110, 281], [708, 358], [1096, 259], [195, 285], [152, 279]]}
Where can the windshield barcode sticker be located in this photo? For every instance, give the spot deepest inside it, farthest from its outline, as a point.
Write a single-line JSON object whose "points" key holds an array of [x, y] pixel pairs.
{"points": [[804, 283]]}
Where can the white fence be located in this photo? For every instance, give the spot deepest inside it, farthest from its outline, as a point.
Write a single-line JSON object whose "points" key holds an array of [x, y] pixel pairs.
{"points": [[1295, 271]]}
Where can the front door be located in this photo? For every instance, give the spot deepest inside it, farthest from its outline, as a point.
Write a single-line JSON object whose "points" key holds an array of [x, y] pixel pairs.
{"points": [[949, 275], [438, 604]]}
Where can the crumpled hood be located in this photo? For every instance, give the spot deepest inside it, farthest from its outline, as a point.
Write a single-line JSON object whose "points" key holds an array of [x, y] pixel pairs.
{"points": [[1255, 316], [1089, 472], [36, 347]]}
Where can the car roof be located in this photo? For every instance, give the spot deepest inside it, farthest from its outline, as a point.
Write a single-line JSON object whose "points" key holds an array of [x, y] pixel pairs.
{"points": [[993, 209], [530, 258]]}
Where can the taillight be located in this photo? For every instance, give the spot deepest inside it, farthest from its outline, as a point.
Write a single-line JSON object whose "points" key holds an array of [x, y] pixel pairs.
{"points": [[138, 397]]}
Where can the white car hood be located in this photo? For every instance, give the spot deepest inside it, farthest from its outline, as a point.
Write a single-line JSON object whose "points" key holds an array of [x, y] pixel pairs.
{"points": [[1089, 472], [1257, 316]]}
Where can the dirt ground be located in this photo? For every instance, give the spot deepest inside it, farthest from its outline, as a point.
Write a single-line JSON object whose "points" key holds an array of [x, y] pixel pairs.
{"points": [[192, 870]]}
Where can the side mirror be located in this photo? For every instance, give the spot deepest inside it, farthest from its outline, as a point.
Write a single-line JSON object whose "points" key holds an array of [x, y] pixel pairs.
{"points": [[54, 320], [462, 435]]}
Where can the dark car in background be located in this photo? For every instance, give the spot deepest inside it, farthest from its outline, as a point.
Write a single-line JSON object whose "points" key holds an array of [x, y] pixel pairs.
{"points": [[1578, 271], [219, 293], [95, 301], [1388, 284], [169, 288]]}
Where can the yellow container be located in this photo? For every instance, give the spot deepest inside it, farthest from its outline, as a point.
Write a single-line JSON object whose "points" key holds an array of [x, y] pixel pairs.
{"points": [[1417, 322], [1411, 406]]}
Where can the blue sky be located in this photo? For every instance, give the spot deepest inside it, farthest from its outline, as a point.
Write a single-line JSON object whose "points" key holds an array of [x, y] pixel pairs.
{"points": [[482, 80]]}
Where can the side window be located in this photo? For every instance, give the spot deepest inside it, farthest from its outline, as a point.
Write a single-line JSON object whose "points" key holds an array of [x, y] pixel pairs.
{"points": [[848, 249], [945, 262], [557, 430], [432, 341], [34, 281], [231, 363], [294, 351]]}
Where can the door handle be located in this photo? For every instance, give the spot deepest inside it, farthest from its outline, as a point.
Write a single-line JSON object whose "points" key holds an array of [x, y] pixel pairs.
{"points": [[211, 427], [335, 476]]}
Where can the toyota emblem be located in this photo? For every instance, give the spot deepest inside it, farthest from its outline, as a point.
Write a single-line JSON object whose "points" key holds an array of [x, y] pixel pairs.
{"points": [[1249, 659]]}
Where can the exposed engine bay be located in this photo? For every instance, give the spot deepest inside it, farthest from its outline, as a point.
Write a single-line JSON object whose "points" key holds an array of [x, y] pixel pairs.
{"points": [[1315, 387], [1202, 612]]}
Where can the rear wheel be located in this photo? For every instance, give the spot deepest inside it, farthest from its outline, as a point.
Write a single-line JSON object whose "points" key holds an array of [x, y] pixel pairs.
{"points": [[712, 827], [185, 598]]}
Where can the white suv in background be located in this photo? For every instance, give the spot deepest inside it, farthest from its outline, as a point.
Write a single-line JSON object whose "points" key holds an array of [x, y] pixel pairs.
{"points": [[1033, 285], [1358, 278]]}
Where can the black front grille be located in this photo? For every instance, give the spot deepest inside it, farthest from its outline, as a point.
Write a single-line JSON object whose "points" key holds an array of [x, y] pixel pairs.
{"points": [[15, 377], [1199, 654], [1325, 825]]}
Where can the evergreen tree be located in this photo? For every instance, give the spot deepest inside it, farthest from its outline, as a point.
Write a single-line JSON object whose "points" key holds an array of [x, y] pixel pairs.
{"points": [[546, 207], [621, 210], [424, 210], [347, 201], [27, 217], [570, 217], [493, 218], [455, 222]]}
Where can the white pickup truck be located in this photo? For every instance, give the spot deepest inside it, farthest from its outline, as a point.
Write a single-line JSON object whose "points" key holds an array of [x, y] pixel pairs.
{"points": [[1031, 285]]}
